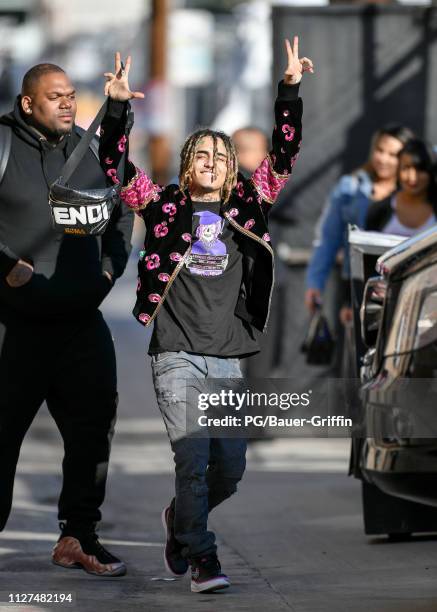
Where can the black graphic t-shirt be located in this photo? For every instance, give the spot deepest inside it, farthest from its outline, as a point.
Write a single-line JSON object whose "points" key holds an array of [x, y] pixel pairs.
{"points": [[198, 315]]}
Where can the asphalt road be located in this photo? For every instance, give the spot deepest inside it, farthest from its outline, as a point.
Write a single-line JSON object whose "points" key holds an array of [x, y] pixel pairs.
{"points": [[291, 539]]}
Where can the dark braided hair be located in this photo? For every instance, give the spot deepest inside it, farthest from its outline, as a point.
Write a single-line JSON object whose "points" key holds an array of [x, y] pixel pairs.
{"points": [[187, 157]]}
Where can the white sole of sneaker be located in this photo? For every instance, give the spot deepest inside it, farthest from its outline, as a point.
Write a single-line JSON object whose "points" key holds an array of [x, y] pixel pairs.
{"points": [[215, 584], [167, 567]]}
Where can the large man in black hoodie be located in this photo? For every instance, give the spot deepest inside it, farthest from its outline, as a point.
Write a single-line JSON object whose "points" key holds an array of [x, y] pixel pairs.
{"points": [[54, 343]]}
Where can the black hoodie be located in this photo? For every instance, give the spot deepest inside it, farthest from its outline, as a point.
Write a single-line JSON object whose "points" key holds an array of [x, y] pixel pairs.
{"points": [[68, 278]]}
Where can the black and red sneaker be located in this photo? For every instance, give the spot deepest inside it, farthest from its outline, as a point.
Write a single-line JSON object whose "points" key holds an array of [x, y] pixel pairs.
{"points": [[207, 575], [82, 549], [175, 563]]}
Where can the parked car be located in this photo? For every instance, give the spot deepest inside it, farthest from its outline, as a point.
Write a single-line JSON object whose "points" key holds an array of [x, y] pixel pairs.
{"points": [[395, 454]]}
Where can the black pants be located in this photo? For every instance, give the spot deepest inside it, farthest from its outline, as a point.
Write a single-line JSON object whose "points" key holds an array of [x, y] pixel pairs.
{"points": [[71, 366]]}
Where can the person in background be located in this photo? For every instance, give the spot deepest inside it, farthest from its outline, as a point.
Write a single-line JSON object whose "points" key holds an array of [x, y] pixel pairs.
{"points": [[348, 204], [413, 208], [252, 146]]}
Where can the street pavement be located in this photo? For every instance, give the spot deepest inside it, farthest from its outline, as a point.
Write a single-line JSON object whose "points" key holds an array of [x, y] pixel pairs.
{"points": [[291, 539]]}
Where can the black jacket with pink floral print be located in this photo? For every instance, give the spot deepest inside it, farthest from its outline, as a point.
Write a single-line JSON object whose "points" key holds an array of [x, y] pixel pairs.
{"points": [[167, 213]]}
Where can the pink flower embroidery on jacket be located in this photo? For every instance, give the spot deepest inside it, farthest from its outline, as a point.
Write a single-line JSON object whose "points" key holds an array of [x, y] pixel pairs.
{"points": [[239, 189], [234, 212], [152, 261], [266, 237], [140, 191], [186, 237], [158, 189], [175, 256], [249, 224], [169, 209], [267, 183], [108, 161], [163, 277], [288, 131], [121, 144], [160, 230], [154, 297], [112, 173], [143, 317]]}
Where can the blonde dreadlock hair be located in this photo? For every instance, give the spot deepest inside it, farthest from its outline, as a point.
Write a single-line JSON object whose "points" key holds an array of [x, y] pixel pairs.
{"points": [[187, 157]]}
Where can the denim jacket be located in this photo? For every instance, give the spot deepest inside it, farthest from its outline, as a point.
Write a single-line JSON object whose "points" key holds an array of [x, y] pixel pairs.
{"points": [[347, 204]]}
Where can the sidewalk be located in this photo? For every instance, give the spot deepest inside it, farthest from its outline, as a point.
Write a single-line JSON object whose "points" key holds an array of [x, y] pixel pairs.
{"points": [[291, 539]]}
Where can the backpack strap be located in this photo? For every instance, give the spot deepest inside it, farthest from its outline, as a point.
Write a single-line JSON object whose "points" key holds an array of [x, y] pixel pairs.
{"points": [[94, 144], [5, 148], [81, 148]]}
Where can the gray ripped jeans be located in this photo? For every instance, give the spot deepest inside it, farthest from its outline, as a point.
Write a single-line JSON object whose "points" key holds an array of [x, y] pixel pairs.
{"points": [[207, 469]]}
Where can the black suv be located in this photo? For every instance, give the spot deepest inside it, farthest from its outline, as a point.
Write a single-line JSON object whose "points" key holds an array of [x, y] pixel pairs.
{"points": [[396, 452]]}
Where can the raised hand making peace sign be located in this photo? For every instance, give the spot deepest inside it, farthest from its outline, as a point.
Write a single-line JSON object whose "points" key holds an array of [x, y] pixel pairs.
{"points": [[117, 85], [296, 66]]}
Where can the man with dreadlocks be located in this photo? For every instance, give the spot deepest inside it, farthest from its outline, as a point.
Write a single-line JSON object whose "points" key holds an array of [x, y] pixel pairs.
{"points": [[205, 280]]}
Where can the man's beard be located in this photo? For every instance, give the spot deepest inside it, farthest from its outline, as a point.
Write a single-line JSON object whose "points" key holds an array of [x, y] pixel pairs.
{"points": [[54, 134], [61, 132]]}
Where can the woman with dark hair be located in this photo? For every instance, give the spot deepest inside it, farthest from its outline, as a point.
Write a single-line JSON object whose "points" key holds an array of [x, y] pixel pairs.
{"points": [[347, 204], [413, 208]]}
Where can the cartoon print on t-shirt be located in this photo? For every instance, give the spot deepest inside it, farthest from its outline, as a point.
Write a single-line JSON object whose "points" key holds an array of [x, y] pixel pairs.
{"points": [[208, 256]]}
